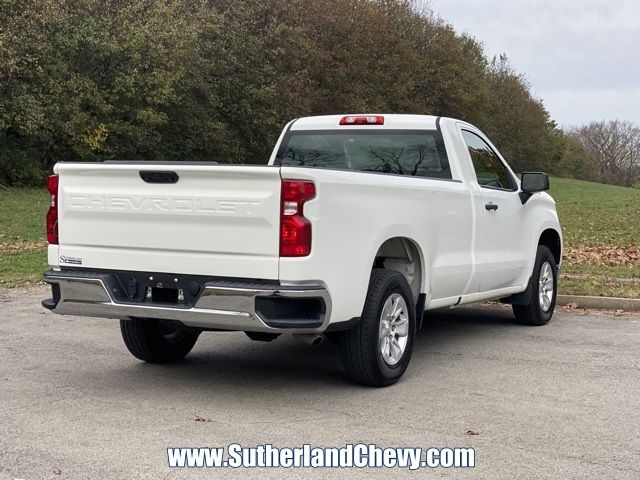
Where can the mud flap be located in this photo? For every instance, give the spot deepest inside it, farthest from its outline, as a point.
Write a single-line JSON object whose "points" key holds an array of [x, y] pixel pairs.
{"points": [[522, 298]]}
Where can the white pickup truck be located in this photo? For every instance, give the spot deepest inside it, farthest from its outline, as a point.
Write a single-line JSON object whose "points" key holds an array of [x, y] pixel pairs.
{"points": [[357, 225]]}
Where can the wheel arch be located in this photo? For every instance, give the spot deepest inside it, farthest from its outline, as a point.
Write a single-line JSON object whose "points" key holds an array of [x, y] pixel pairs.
{"points": [[403, 254], [551, 239]]}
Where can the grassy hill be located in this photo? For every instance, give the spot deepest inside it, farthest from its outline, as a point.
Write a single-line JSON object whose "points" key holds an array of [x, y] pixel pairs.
{"points": [[601, 229], [601, 225], [597, 214]]}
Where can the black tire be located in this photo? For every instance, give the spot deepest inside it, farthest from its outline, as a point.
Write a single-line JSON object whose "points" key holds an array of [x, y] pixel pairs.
{"points": [[157, 341], [533, 313], [360, 346]]}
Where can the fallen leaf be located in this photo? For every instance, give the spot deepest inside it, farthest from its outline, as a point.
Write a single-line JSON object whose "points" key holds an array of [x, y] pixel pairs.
{"points": [[603, 255], [202, 419], [472, 432], [57, 471]]}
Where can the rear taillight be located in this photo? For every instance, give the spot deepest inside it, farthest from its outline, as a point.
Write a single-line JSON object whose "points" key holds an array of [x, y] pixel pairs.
{"points": [[362, 120], [52, 214], [295, 230]]}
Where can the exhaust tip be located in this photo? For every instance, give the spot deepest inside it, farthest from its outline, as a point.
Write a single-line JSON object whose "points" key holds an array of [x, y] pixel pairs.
{"points": [[313, 339]]}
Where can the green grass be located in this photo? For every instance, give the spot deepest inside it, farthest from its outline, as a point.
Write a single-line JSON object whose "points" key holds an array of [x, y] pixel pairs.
{"points": [[598, 287], [22, 267], [591, 214], [596, 214], [615, 271], [22, 213]]}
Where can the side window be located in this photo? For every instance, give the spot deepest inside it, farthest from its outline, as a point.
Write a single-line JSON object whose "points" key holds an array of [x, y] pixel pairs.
{"points": [[490, 171]]}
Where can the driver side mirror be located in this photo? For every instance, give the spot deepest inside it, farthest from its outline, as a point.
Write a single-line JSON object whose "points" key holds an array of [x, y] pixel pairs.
{"points": [[533, 182]]}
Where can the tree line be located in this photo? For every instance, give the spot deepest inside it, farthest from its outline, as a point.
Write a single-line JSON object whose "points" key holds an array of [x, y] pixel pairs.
{"points": [[216, 80]]}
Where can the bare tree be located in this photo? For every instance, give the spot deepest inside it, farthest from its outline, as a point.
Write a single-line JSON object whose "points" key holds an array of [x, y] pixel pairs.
{"points": [[615, 147]]}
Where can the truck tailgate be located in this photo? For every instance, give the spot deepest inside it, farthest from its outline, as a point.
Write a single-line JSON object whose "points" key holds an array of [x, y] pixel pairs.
{"points": [[216, 220]]}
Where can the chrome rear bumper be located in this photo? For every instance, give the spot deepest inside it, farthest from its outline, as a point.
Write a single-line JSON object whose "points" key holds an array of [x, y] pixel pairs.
{"points": [[221, 304]]}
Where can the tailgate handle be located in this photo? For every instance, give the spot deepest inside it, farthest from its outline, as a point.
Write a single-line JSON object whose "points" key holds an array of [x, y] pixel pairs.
{"points": [[150, 176]]}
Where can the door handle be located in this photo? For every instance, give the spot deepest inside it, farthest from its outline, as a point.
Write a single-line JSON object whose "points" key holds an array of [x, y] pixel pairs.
{"points": [[491, 206]]}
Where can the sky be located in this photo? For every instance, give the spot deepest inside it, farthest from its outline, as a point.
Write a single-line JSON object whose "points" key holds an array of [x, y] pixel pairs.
{"points": [[581, 57]]}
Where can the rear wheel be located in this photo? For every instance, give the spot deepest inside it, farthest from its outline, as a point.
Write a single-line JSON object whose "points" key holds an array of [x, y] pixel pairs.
{"points": [[543, 289], [157, 341], [377, 351]]}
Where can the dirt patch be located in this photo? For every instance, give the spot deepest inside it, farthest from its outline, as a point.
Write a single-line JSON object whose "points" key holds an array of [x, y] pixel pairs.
{"points": [[610, 255], [22, 246]]}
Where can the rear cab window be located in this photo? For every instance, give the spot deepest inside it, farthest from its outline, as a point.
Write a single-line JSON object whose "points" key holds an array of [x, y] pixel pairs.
{"points": [[419, 153]]}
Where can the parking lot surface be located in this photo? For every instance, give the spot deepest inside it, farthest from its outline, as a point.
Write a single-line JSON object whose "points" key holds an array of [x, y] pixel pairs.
{"points": [[561, 401]]}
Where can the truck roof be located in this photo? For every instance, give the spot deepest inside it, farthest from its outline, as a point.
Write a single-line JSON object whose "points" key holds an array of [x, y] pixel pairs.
{"points": [[391, 122]]}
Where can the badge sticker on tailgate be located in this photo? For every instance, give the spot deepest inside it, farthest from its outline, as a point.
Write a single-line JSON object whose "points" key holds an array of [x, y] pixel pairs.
{"points": [[70, 260]]}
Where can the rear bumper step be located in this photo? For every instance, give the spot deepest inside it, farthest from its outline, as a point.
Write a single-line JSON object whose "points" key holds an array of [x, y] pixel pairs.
{"points": [[219, 305]]}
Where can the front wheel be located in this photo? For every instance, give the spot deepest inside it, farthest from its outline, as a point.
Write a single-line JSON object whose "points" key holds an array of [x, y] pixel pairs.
{"points": [[157, 341], [377, 351], [543, 288]]}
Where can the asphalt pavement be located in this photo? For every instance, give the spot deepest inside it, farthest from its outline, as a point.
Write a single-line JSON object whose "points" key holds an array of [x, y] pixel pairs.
{"points": [[561, 401]]}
